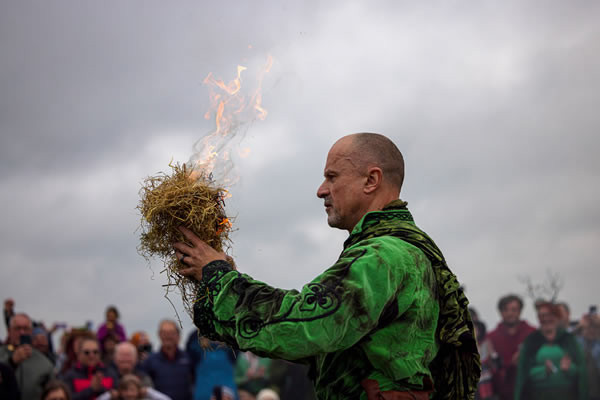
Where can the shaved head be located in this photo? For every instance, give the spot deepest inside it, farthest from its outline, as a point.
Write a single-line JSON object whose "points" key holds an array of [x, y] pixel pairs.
{"points": [[363, 172], [375, 150]]}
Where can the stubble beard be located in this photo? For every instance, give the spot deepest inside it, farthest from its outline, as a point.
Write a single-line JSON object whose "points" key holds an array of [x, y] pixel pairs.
{"points": [[334, 220]]}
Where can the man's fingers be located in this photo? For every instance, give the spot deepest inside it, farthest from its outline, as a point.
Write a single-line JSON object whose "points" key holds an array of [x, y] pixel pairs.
{"points": [[191, 236], [183, 248]]}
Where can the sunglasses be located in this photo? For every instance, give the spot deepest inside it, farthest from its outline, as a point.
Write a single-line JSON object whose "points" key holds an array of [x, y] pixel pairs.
{"points": [[88, 352]]}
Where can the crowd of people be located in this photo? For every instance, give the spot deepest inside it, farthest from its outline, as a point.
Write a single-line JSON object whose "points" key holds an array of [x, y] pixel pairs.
{"points": [[107, 364], [560, 359]]}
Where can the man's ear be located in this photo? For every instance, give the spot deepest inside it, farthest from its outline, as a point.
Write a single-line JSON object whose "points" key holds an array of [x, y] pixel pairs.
{"points": [[374, 180]]}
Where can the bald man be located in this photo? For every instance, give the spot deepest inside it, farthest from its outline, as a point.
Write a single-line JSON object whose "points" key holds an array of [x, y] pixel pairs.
{"points": [[387, 321]]}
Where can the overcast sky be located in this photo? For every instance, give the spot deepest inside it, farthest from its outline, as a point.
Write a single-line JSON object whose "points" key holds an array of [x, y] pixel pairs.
{"points": [[494, 105]]}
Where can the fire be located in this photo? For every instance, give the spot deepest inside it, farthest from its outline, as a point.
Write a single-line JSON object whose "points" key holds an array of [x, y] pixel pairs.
{"points": [[232, 104], [225, 224]]}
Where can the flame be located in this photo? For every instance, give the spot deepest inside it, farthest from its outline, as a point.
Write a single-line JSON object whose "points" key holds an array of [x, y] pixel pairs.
{"points": [[232, 104], [224, 225]]}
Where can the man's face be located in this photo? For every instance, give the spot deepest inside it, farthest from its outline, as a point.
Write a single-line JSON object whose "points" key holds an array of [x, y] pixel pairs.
{"points": [[19, 325], [511, 313], [125, 360], [169, 337], [89, 355], [342, 189]]}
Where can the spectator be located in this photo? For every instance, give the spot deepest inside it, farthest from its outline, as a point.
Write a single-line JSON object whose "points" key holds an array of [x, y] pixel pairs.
{"points": [[590, 341], [170, 368], [506, 339], [9, 311], [69, 357], [291, 380], [551, 363], [222, 393], [56, 390], [131, 388], [126, 363], [245, 393], [89, 378], [142, 343], [111, 326], [32, 368], [107, 346], [9, 389], [489, 358], [39, 341], [565, 317], [251, 371], [213, 365]]}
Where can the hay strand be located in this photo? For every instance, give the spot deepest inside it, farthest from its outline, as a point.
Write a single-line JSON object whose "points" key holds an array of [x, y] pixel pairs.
{"points": [[183, 198]]}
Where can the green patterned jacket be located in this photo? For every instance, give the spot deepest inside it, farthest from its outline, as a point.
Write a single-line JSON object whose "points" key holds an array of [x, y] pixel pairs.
{"points": [[372, 315]]}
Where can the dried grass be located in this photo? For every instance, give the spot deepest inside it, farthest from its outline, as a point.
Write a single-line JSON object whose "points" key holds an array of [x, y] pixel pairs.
{"points": [[184, 198]]}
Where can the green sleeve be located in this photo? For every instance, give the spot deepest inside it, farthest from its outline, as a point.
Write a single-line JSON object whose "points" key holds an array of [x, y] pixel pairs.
{"points": [[331, 313]]}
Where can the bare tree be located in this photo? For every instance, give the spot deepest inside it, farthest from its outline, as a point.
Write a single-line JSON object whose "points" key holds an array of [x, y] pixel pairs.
{"points": [[546, 290]]}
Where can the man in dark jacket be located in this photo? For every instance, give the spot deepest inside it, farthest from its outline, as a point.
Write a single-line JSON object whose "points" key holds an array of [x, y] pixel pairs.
{"points": [[89, 378], [170, 368]]}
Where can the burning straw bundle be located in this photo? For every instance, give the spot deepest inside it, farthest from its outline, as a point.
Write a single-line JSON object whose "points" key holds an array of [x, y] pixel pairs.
{"points": [[184, 198]]}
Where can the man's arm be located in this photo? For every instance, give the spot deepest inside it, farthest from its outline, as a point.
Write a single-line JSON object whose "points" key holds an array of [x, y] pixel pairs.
{"points": [[331, 313]]}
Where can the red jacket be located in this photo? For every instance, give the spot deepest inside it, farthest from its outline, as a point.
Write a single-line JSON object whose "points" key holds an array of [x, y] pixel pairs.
{"points": [[79, 380], [506, 346]]}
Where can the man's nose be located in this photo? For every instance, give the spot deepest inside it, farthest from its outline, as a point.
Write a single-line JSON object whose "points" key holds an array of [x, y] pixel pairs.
{"points": [[322, 191]]}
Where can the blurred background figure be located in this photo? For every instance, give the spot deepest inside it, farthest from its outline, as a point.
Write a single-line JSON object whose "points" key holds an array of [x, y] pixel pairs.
{"points": [[141, 341], [68, 357], [8, 311], [40, 340], [88, 378], [131, 388], [170, 368], [107, 348], [251, 372], [489, 363], [551, 364], [213, 365], [222, 393], [126, 363], [32, 369], [111, 327], [56, 390], [291, 380], [506, 339], [589, 338], [9, 389]]}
